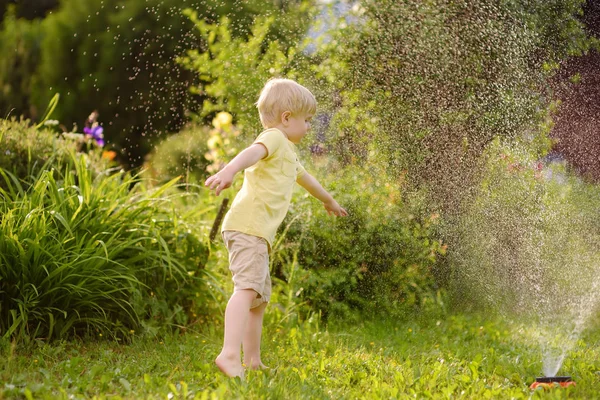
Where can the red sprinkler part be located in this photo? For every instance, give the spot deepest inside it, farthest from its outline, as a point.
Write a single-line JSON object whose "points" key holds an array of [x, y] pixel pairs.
{"points": [[549, 382]]}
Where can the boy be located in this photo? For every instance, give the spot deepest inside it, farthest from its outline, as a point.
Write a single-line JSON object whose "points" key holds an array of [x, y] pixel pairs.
{"points": [[271, 169]]}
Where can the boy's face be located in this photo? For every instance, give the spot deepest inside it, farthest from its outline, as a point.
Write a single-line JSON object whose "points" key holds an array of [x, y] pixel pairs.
{"points": [[296, 127]]}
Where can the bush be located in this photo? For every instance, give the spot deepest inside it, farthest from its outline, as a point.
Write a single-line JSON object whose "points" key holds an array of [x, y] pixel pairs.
{"points": [[377, 260], [196, 151], [94, 255], [27, 150], [181, 154]]}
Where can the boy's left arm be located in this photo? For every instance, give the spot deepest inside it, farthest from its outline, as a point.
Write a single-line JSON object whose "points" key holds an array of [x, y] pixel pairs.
{"points": [[312, 186]]}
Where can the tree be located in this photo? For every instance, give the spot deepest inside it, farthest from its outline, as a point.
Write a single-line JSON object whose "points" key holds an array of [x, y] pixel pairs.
{"points": [[28, 9], [425, 87], [20, 46]]}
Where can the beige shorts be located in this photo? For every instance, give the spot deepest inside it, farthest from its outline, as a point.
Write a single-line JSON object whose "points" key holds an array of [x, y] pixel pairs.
{"points": [[249, 264]]}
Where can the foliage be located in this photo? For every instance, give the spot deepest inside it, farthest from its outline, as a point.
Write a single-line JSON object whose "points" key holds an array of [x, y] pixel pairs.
{"points": [[455, 357], [195, 151], [85, 255], [224, 67], [222, 144], [118, 57], [378, 258], [424, 87], [28, 9], [181, 154], [123, 68], [558, 27], [25, 150], [20, 46]]}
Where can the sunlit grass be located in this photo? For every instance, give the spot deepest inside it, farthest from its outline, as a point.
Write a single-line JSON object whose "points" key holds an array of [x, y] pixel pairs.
{"points": [[454, 357]]}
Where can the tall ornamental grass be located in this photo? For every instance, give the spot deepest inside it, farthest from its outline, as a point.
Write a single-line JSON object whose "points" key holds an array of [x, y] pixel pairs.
{"points": [[84, 255]]}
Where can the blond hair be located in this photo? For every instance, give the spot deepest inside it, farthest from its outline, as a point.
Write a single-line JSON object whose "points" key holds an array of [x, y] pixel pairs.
{"points": [[280, 95]]}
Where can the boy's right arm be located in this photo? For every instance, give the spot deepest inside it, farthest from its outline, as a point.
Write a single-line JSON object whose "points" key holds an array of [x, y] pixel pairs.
{"points": [[247, 158]]}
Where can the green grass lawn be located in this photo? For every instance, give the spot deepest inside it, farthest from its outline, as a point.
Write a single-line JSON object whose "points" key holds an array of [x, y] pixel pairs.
{"points": [[454, 357]]}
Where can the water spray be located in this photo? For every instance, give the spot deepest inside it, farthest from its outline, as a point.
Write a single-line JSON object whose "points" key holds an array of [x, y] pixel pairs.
{"points": [[549, 382]]}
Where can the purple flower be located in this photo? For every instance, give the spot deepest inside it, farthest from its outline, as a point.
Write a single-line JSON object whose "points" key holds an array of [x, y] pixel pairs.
{"points": [[96, 133]]}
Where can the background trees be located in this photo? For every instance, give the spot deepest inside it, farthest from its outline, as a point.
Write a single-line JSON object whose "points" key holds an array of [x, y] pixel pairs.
{"points": [[118, 58], [434, 83]]}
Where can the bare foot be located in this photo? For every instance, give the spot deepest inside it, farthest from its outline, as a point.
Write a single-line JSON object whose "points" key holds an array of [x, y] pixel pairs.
{"points": [[230, 366]]}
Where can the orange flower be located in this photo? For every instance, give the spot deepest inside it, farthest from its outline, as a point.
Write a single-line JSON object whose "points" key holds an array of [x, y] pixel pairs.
{"points": [[109, 155]]}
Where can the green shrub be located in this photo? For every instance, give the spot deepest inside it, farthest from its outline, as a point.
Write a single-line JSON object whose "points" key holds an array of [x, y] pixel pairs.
{"points": [[27, 150], [196, 151], [181, 154], [94, 255], [378, 259]]}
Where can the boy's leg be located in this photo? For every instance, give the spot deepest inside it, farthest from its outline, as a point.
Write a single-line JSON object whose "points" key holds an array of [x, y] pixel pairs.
{"points": [[236, 321], [252, 337]]}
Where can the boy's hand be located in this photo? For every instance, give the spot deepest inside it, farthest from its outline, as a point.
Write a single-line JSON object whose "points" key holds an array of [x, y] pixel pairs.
{"points": [[221, 181], [333, 208], [248, 157], [308, 182]]}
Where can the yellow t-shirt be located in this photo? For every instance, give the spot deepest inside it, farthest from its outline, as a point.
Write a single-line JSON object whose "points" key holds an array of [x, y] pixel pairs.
{"points": [[263, 201]]}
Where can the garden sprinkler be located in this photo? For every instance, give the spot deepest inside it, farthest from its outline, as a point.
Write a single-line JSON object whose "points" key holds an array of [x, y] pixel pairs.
{"points": [[549, 382]]}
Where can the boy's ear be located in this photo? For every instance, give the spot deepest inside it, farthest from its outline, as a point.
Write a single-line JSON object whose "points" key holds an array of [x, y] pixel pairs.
{"points": [[285, 116]]}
